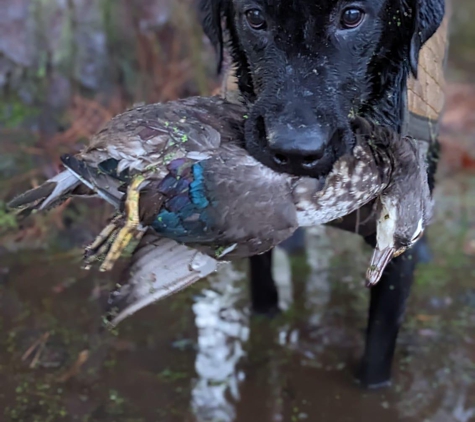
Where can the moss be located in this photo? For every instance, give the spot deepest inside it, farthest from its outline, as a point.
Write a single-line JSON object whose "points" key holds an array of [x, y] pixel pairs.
{"points": [[36, 398], [171, 376], [168, 158], [219, 251], [7, 220], [13, 112]]}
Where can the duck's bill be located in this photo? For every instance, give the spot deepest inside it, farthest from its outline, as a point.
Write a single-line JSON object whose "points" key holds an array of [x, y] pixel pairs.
{"points": [[379, 261], [159, 268]]}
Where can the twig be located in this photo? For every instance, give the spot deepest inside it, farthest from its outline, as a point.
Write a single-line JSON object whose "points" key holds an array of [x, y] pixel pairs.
{"points": [[39, 342]]}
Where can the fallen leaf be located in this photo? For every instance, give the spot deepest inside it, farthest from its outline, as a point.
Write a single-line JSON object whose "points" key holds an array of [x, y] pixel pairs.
{"points": [[76, 367]]}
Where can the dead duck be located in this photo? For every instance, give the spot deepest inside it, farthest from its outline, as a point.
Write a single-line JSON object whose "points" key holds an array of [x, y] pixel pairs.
{"points": [[179, 169], [405, 208]]}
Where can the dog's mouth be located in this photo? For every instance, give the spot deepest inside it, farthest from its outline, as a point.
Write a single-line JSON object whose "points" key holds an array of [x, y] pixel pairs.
{"points": [[341, 142], [293, 164]]}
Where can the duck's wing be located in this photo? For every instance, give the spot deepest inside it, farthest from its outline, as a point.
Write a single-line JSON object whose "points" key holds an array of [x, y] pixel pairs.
{"points": [[153, 135], [143, 138], [158, 268], [224, 200]]}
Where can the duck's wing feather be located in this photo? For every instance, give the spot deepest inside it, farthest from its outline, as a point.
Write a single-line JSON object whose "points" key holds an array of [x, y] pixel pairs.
{"points": [[155, 134], [158, 268]]}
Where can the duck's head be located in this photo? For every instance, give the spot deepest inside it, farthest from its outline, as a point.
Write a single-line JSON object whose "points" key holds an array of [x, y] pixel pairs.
{"points": [[405, 209]]}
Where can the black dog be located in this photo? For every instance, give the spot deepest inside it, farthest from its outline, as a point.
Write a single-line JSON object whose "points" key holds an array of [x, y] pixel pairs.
{"points": [[306, 67]]}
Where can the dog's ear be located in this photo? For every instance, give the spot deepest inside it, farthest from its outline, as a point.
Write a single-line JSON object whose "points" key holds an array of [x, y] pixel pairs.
{"points": [[211, 13], [427, 16]]}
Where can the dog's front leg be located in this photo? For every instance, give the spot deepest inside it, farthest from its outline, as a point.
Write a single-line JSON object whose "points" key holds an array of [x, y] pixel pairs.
{"points": [[386, 312], [264, 295]]}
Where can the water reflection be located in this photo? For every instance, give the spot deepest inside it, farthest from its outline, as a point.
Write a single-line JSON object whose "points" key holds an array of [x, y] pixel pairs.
{"points": [[319, 253], [222, 320], [223, 328]]}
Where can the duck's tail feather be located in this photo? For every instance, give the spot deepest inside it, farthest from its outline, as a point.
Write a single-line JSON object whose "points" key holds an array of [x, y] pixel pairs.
{"points": [[159, 268], [50, 194], [104, 185], [79, 179]]}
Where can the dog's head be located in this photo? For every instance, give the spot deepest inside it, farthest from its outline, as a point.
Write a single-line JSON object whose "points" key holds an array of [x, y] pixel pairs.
{"points": [[308, 66]]}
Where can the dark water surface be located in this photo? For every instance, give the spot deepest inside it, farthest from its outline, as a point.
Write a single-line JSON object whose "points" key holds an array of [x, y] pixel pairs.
{"points": [[198, 356]]}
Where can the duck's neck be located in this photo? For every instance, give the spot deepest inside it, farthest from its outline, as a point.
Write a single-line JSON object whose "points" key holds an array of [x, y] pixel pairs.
{"points": [[317, 204]]}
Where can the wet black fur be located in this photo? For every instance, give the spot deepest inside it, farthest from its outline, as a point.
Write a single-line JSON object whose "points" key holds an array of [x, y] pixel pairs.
{"points": [[305, 72]]}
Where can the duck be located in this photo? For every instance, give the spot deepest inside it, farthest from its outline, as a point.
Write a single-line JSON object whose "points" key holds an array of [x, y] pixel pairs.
{"points": [[404, 209], [178, 173]]}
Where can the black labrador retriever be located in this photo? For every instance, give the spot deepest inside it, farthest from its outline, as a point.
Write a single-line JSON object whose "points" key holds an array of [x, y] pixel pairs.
{"points": [[306, 67]]}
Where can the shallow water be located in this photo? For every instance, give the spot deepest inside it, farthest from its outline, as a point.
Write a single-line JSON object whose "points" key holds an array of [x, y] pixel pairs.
{"points": [[199, 356]]}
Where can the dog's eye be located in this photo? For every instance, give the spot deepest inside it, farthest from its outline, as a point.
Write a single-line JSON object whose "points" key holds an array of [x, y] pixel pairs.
{"points": [[255, 19], [351, 18]]}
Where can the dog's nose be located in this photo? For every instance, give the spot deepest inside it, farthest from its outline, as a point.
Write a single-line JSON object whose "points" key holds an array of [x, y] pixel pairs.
{"points": [[301, 147]]}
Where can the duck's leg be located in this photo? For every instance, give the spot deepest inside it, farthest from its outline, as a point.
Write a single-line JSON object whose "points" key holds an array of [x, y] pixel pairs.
{"points": [[105, 234], [101, 243], [131, 230]]}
